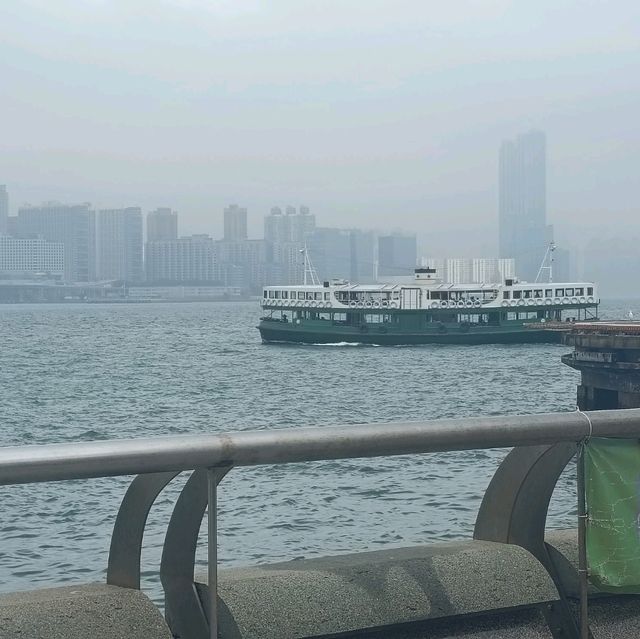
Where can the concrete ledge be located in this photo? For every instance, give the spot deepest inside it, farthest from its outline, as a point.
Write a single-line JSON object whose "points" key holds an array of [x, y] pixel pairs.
{"points": [[385, 590], [81, 612]]}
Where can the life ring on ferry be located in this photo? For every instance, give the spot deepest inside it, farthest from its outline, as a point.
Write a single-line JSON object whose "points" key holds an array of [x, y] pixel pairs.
{"points": [[583, 300], [574, 300], [513, 303], [520, 302], [538, 301], [393, 305], [443, 304], [556, 300], [530, 302], [313, 304], [505, 303], [460, 304], [368, 304], [307, 303], [591, 300], [385, 304], [565, 300], [548, 302], [376, 304], [469, 304], [434, 305], [352, 304], [477, 304], [360, 305]]}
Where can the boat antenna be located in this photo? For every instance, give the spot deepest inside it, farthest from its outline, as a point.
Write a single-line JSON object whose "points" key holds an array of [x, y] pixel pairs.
{"points": [[309, 271], [547, 267]]}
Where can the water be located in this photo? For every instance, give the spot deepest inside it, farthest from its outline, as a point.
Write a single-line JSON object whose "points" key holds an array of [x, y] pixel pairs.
{"points": [[86, 372]]}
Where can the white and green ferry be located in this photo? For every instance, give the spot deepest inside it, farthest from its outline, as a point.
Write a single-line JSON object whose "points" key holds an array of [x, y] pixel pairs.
{"points": [[424, 310]]}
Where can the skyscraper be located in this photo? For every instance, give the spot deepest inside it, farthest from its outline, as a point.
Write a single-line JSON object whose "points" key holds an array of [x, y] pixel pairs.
{"points": [[4, 209], [522, 202], [120, 244], [73, 225], [162, 225], [397, 254], [235, 223]]}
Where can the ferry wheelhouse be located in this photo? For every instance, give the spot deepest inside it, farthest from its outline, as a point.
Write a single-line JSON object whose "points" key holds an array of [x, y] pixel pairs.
{"points": [[425, 310]]}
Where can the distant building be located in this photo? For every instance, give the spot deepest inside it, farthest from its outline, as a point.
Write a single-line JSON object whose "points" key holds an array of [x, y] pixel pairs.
{"points": [[342, 254], [119, 234], [21, 258], [522, 202], [4, 209], [291, 227], [12, 225], [458, 270], [235, 223], [162, 225], [187, 259], [73, 226], [478, 270], [397, 255], [245, 264]]}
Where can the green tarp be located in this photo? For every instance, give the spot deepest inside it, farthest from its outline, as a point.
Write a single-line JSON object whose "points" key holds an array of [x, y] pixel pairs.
{"points": [[612, 486]]}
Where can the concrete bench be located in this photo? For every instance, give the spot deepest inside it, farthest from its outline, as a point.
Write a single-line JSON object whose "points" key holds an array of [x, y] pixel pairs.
{"points": [[471, 589], [81, 612]]}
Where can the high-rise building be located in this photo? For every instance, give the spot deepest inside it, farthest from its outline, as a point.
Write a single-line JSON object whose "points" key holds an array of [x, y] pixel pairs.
{"points": [[188, 259], [4, 209], [292, 227], [73, 226], [162, 225], [522, 202], [397, 255], [246, 264], [235, 223], [31, 257], [119, 234]]}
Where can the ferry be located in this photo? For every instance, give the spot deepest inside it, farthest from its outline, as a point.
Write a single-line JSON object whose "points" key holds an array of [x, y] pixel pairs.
{"points": [[424, 310]]}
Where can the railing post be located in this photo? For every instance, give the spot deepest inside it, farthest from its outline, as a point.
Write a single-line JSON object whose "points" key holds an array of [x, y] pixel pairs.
{"points": [[213, 476]]}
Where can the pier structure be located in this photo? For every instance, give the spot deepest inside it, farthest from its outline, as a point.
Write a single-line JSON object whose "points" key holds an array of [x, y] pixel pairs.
{"points": [[607, 354], [513, 579]]}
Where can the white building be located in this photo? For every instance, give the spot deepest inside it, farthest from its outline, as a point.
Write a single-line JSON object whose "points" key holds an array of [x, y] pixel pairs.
{"points": [[478, 270], [187, 259], [29, 257]]}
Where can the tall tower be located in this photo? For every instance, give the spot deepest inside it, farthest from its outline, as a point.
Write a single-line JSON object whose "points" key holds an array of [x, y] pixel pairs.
{"points": [[120, 244], [162, 224], [523, 202], [235, 223], [4, 209]]}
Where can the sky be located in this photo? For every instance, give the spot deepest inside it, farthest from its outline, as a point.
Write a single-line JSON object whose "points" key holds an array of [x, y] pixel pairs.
{"points": [[385, 115]]}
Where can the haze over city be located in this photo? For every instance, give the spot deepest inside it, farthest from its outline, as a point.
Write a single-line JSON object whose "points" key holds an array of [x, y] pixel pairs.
{"points": [[388, 117]]}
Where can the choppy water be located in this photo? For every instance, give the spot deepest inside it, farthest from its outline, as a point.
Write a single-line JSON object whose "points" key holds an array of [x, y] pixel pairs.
{"points": [[85, 372]]}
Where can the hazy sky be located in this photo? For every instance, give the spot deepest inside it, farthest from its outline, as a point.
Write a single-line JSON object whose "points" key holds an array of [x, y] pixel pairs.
{"points": [[375, 114]]}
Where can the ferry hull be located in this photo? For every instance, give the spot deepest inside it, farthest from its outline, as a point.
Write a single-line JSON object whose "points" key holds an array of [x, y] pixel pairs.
{"points": [[485, 335]]}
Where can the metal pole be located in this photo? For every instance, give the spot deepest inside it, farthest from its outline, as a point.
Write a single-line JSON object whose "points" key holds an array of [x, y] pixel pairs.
{"points": [[212, 550], [582, 547]]}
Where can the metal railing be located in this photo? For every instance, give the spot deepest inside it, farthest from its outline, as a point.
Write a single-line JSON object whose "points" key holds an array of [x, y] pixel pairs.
{"points": [[513, 509]]}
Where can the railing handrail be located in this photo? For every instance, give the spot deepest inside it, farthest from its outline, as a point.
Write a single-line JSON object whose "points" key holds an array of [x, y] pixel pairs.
{"points": [[55, 462]]}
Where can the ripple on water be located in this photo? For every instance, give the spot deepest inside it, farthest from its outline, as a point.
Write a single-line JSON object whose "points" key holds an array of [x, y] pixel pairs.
{"points": [[77, 373]]}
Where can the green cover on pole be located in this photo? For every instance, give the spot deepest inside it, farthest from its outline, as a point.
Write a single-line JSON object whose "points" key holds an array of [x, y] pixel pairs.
{"points": [[612, 485]]}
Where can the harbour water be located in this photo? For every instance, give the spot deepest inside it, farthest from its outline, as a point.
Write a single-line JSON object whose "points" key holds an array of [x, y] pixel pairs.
{"points": [[85, 372]]}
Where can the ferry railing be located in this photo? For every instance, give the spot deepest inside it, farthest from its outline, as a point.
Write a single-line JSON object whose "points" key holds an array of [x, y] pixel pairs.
{"points": [[513, 509]]}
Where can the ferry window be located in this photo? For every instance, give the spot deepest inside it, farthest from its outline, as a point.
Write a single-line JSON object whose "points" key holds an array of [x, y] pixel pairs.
{"points": [[324, 316], [285, 295], [517, 295], [264, 293], [527, 294], [559, 292], [548, 292], [309, 295], [339, 317], [506, 295], [317, 296], [537, 292], [589, 290], [512, 316], [277, 295], [271, 294], [300, 295], [579, 291], [326, 296], [569, 292]]}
